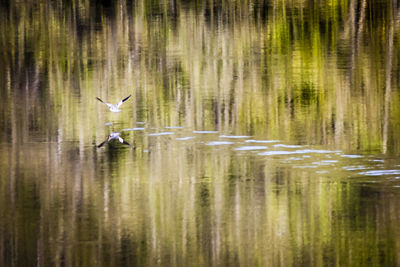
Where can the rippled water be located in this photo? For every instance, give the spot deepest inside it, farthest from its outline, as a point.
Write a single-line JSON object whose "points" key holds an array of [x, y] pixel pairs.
{"points": [[257, 133]]}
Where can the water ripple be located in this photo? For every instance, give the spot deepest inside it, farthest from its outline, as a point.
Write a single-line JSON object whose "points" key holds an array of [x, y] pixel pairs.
{"points": [[162, 133], [234, 136], [261, 141], [380, 172], [173, 127], [287, 146], [134, 129], [249, 148], [204, 132], [185, 138], [351, 156], [218, 143], [354, 168], [325, 162], [318, 151], [276, 152], [302, 151]]}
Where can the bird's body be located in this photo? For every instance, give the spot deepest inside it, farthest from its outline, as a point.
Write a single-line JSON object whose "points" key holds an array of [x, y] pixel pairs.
{"points": [[112, 136], [114, 108]]}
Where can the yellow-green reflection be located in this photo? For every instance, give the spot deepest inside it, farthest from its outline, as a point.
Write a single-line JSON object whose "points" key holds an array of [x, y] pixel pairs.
{"points": [[316, 74]]}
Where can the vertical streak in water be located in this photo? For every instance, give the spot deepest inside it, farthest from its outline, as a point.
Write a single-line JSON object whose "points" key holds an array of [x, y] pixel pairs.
{"points": [[12, 159], [388, 88], [13, 123], [237, 211], [352, 22], [361, 24], [349, 78]]}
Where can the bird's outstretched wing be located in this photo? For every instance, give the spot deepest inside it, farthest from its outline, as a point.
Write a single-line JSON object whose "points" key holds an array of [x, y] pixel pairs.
{"points": [[100, 145], [123, 100], [108, 104]]}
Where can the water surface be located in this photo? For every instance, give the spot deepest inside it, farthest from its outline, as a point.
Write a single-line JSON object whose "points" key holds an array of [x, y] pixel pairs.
{"points": [[263, 133]]}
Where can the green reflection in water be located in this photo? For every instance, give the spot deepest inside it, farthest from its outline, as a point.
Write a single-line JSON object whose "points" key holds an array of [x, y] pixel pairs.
{"points": [[320, 75]]}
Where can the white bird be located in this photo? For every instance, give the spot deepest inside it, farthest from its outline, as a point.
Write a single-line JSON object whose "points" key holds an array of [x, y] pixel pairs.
{"points": [[112, 136], [114, 108]]}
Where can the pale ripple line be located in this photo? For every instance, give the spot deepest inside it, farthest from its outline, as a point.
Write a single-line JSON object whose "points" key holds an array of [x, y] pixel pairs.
{"points": [[134, 129], [261, 141], [234, 136], [287, 146], [162, 133], [184, 138], [303, 151], [354, 168], [173, 127], [217, 143], [380, 172], [325, 162], [351, 156], [204, 132], [276, 152], [245, 148]]}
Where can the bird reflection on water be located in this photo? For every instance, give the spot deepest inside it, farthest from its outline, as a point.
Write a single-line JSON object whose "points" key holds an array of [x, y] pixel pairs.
{"points": [[114, 136]]}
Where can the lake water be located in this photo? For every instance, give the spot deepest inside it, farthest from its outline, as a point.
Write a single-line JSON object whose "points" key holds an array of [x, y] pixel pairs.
{"points": [[258, 133]]}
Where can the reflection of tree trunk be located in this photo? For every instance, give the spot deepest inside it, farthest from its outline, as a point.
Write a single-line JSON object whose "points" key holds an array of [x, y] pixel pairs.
{"points": [[343, 93], [361, 24], [352, 22], [388, 88], [356, 35]]}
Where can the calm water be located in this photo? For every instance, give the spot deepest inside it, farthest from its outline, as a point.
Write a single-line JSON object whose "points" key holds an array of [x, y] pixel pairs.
{"points": [[258, 133]]}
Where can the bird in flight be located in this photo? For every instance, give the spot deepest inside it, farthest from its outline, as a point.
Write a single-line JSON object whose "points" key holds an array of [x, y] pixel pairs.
{"points": [[114, 136], [114, 108]]}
